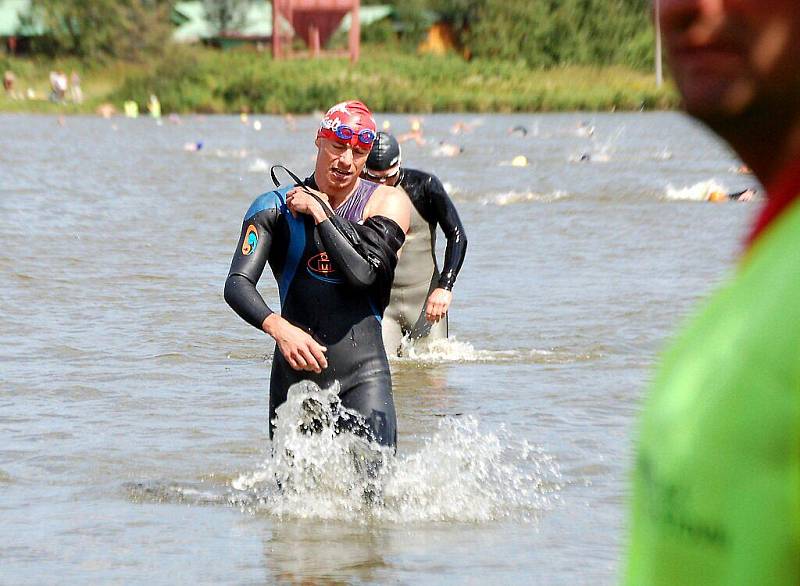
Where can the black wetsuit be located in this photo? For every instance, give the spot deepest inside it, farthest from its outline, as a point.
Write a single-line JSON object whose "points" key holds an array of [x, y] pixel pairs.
{"points": [[333, 287], [434, 205], [417, 272]]}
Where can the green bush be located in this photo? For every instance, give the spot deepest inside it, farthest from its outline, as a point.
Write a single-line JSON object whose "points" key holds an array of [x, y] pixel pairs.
{"points": [[205, 80]]}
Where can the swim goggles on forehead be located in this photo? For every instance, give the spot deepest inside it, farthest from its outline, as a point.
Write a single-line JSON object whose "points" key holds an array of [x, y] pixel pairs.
{"points": [[365, 136]]}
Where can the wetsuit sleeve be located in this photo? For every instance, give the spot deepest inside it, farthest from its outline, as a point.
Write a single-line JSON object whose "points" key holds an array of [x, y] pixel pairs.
{"points": [[364, 253], [248, 263], [447, 217]]}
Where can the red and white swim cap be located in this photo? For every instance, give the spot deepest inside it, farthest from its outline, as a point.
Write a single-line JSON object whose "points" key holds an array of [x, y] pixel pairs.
{"points": [[350, 123]]}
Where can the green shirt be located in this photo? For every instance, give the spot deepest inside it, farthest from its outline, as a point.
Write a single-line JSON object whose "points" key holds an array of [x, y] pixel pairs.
{"points": [[716, 491]]}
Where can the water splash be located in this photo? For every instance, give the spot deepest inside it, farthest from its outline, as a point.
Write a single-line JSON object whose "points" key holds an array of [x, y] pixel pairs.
{"points": [[697, 192], [461, 473], [455, 350], [518, 197], [601, 152]]}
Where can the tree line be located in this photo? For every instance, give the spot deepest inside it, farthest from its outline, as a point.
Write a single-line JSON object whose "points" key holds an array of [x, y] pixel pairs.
{"points": [[540, 33], [536, 33]]}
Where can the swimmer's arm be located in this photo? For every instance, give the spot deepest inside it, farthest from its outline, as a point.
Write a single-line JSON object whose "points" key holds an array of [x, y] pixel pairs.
{"points": [[359, 266], [375, 256], [247, 265], [386, 221], [447, 216], [356, 268]]}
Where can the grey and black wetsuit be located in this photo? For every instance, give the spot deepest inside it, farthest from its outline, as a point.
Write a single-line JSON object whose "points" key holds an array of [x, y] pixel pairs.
{"points": [[331, 285], [417, 273]]}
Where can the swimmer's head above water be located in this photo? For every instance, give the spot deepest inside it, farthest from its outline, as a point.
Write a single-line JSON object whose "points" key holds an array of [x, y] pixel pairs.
{"points": [[383, 163], [345, 138]]}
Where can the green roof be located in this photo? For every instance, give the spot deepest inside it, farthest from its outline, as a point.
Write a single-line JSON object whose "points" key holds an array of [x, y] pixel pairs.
{"points": [[12, 15], [194, 26]]}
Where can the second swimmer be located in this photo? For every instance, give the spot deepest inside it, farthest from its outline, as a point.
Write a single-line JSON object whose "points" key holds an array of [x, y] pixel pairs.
{"points": [[421, 294]]}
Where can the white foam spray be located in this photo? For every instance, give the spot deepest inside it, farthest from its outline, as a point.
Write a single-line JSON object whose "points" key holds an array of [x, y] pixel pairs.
{"points": [[462, 473], [519, 197], [454, 350], [697, 192]]}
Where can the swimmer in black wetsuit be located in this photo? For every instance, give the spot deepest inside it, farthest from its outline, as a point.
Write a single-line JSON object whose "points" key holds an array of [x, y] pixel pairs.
{"points": [[421, 295], [334, 273]]}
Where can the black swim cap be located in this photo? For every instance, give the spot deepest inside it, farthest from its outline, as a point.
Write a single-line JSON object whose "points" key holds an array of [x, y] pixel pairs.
{"points": [[385, 153]]}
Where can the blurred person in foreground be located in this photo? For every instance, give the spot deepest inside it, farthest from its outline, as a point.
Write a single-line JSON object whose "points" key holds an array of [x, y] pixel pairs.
{"points": [[421, 295], [332, 245], [716, 495]]}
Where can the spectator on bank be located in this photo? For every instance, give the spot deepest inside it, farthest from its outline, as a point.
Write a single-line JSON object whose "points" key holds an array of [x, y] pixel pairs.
{"points": [[58, 86], [75, 91], [8, 83]]}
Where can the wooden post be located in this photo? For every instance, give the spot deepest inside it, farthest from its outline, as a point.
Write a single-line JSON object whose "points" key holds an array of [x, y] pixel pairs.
{"points": [[659, 72], [355, 31], [313, 34], [276, 31]]}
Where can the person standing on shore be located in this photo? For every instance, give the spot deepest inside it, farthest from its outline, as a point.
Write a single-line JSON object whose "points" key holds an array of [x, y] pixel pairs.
{"points": [[8, 83], [716, 486]]}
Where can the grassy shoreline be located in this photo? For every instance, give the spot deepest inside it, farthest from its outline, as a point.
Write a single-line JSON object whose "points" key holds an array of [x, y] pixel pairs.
{"points": [[194, 80]]}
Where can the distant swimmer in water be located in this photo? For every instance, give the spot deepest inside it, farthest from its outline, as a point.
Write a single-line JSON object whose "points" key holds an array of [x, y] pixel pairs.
{"points": [[745, 195], [193, 146], [584, 129], [446, 149], [332, 245], [415, 134], [519, 129], [461, 127], [421, 295]]}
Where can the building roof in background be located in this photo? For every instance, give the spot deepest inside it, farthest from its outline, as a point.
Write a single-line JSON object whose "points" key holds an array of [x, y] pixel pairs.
{"points": [[193, 25], [13, 16], [189, 17]]}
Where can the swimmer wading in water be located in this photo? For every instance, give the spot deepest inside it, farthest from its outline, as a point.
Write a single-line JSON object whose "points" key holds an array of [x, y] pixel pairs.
{"points": [[421, 294], [332, 246]]}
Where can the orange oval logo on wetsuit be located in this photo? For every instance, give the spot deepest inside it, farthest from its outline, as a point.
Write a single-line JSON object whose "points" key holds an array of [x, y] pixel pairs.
{"points": [[321, 267], [250, 240]]}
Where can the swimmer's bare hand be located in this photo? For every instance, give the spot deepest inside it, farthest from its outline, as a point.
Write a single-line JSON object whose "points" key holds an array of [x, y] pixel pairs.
{"points": [[299, 201], [300, 350], [438, 304]]}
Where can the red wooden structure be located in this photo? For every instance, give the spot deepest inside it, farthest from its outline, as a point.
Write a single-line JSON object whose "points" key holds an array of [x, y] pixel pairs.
{"points": [[315, 21]]}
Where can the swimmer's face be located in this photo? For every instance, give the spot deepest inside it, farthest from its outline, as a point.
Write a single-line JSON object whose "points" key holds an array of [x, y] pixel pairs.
{"points": [[338, 164], [732, 57]]}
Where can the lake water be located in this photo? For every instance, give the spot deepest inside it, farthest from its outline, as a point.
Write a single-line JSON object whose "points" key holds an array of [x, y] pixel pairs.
{"points": [[133, 401]]}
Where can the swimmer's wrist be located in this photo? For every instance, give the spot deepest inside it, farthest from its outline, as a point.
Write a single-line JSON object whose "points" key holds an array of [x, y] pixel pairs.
{"points": [[271, 323], [318, 214]]}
